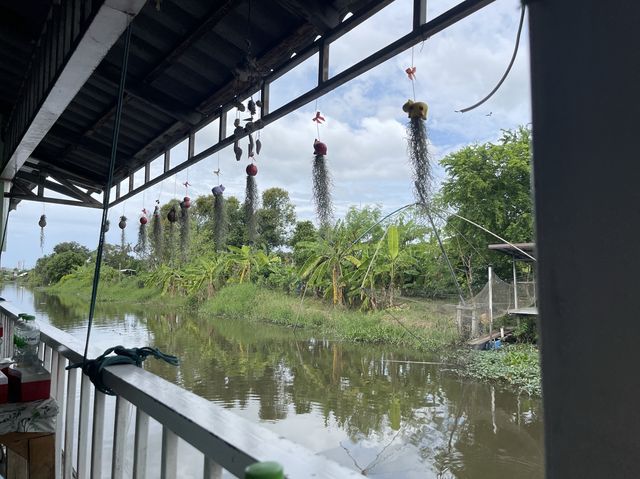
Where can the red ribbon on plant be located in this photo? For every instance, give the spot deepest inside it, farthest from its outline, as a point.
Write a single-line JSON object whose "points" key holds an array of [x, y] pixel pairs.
{"points": [[411, 73], [318, 118]]}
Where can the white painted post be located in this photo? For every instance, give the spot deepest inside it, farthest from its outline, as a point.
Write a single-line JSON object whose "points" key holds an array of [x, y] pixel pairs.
{"points": [[83, 427], [474, 322], [59, 373], [141, 445], [212, 470], [490, 302], [169, 466], [69, 430], [123, 408], [98, 435], [515, 284], [47, 358]]}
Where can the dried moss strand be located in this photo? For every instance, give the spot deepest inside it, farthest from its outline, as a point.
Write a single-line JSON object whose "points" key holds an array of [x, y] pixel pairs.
{"points": [[420, 160], [184, 232], [322, 191], [250, 205], [220, 223], [141, 246], [156, 237]]}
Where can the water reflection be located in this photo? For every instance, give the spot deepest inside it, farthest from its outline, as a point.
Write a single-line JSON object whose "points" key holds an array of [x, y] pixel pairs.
{"points": [[384, 411]]}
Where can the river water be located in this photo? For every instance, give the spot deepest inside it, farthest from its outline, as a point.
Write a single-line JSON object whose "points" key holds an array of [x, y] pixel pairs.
{"points": [[385, 411]]}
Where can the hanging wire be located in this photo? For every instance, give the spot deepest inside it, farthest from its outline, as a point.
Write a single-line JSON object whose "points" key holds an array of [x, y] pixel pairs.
{"points": [[412, 75], [107, 190], [317, 122], [506, 73]]}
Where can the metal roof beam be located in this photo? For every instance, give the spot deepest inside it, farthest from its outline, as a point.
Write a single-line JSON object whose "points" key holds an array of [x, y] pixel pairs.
{"points": [[64, 188], [46, 199], [150, 96], [319, 14], [91, 184]]}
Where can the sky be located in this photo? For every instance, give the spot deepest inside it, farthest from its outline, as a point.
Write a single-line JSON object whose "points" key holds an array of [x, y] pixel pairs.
{"points": [[364, 128]]}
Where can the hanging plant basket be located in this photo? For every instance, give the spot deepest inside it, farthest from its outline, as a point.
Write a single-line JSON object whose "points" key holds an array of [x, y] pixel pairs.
{"points": [[321, 184], [172, 216], [252, 169], [418, 150], [42, 223], [122, 224]]}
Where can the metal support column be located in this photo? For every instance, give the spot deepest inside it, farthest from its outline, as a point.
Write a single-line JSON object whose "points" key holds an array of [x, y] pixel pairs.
{"points": [[585, 69]]}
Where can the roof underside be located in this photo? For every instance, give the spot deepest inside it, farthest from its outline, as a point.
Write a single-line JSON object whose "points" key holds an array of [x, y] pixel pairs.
{"points": [[180, 72]]}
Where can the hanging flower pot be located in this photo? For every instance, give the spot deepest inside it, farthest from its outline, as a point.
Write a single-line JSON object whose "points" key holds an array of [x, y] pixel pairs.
{"points": [[141, 246], [42, 223], [252, 169], [106, 226], [186, 202], [319, 148], [122, 224], [217, 190]]}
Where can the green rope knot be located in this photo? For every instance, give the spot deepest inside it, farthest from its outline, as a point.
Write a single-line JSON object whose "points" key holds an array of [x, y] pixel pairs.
{"points": [[95, 367]]}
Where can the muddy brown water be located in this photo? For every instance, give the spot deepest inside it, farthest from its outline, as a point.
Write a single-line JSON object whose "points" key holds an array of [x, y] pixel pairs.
{"points": [[387, 412]]}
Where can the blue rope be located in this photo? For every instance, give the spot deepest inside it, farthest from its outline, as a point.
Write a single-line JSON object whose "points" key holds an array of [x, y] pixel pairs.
{"points": [[94, 368]]}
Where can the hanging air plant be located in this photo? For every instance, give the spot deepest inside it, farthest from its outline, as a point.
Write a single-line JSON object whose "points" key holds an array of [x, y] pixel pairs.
{"points": [[172, 217], [418, 150], [42, 223], [185, 204], [322, 184], [156, 232], [219, 217], [141, 246], [251, 202], [122, 224]]}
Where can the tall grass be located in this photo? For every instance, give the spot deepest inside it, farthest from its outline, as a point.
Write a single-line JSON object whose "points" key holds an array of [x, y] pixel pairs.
{"points": [[248, 302]]}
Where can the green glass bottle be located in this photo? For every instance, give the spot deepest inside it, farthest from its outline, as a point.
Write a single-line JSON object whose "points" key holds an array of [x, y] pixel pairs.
{"points": [[264, 470]]}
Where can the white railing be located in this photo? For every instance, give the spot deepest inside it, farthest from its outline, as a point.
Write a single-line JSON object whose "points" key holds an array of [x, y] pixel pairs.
{"points": [[175, 434]]}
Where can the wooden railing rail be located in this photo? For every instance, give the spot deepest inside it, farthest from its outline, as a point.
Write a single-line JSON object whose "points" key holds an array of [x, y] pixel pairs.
{"points": [[91, 425]]}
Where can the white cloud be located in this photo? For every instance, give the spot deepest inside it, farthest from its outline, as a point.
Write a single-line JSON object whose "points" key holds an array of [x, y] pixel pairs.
{"points": [[365, 127]]}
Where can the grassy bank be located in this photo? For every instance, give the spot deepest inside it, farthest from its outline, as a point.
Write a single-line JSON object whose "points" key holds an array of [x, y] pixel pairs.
{"points": [[125, 289], [515, 365], [412, 325]]}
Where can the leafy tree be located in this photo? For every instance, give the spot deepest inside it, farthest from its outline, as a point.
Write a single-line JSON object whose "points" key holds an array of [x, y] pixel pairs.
{"points": [[202, 215], [49, 269], [489, 184], [276, 218], [304, 231], [70, 246], [237, 234]]}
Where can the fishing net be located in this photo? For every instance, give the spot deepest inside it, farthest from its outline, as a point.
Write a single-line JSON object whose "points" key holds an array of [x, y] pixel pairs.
{"points": [[474, 316]]}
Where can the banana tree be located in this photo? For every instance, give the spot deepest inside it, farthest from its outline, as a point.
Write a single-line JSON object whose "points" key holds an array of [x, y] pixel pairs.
{"points": [[325, 267], [244, 262], [204, 277]]}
